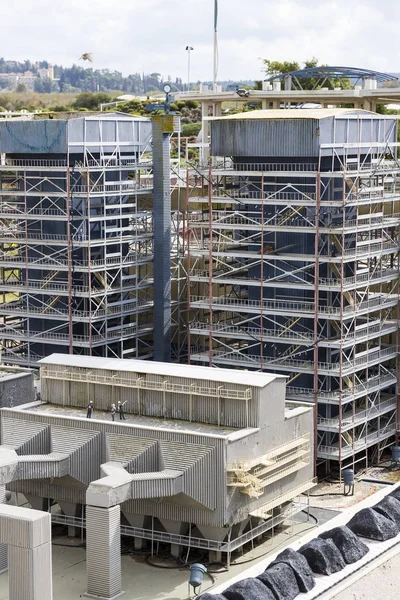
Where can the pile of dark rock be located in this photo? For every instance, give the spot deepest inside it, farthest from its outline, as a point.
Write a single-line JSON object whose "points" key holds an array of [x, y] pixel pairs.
{"points": [[292, 573]]}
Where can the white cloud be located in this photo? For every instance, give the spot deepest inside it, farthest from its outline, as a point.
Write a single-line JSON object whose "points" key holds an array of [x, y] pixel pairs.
{"points": [[151, 35]]}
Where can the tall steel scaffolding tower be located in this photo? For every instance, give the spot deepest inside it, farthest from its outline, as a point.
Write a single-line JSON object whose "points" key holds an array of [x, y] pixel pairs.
{"points": [[294, 266], [76, 234]]}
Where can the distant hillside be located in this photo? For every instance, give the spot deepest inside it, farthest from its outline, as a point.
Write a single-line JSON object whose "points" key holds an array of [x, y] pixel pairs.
{"points": [[42, 77]]}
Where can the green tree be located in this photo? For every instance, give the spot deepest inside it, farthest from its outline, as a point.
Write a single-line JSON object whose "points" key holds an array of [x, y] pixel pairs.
{"points": [[191, 129], [21, 88], [275, 67], [91, 101]]}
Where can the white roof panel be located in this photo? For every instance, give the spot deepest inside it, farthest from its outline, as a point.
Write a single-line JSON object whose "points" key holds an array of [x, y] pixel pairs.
{"points": [[298, 113], [248, 378]]}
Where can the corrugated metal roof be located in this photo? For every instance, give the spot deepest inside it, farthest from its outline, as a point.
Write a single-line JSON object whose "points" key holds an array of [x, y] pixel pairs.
{"points": [[54, 136], [249, 378], [121, 116], [298, 113]]}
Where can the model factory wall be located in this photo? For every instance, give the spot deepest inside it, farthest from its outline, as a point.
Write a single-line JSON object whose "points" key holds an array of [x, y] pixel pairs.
{"points": [[16, 387], [273, 460], [204, 459], [141, 449]]}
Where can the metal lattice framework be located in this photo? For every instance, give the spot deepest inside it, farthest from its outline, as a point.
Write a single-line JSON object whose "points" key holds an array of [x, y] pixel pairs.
{"points": [[76, 237], [322, 75], [294, 269]]}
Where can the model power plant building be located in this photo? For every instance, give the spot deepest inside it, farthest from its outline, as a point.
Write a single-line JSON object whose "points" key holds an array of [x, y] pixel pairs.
{"points": [[294, 266], [79, 205], [208, 458], [284, 260]]}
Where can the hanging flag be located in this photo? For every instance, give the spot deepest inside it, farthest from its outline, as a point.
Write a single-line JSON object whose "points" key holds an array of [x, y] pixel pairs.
{"points": [[215, 14]]}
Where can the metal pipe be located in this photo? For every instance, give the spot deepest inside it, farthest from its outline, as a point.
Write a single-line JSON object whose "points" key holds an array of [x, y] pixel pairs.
{"points": [[69, 258], [316, 304], [210, 263]]}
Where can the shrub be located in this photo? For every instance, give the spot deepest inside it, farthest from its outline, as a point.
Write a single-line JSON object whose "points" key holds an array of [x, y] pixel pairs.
{"points": [[191, 129]]}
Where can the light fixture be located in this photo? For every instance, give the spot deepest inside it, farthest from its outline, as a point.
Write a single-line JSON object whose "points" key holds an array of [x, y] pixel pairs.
{"points": [[196, 576], [188, 50]]}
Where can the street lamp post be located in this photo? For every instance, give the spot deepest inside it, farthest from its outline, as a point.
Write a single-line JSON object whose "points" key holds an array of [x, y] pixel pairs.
{"points": [[189, 49]]}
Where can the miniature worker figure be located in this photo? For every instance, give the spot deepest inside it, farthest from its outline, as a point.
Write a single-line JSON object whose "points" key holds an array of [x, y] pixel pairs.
{"points": [[113, 411], [89, 410], [121, 410]]}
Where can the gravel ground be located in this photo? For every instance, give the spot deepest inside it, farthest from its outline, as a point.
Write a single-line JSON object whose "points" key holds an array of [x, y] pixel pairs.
{"points": [[144, 582], [381, 583]]}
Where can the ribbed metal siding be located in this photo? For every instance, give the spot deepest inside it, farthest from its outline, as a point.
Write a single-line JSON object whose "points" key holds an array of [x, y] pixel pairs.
{"points": [[103, 550], [198, 463], [36, 467], [30, 573], [107, 130], [297, 137], [142, 454], [3, 547], [26, 532], [3, 557], [85, 449], [210, 487], [26, 437], [43, 489], [205, 409], [161, 485], [352, 130], [265, 137], [33, 137]]}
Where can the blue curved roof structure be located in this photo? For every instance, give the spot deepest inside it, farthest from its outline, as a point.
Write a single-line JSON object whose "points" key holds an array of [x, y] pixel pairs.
{"points": [[336, 72]]}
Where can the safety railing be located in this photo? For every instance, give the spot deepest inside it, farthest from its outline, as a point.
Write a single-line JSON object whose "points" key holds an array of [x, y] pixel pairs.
{"points": [[359, 444], [226, 218], [226, 245], [359, 279], [299, 336], [19, 212], [11, 308], [265, 167], [251, 331], [382, 165], [112, 188], [78, 339], [349, 366], [20, 358], [113, 162], [59, 262], [139, 382], [360, 415], [128, 236], [35, 162], [346, 282], [377, 382], [295, 307], [154, 535], [54, 286]]}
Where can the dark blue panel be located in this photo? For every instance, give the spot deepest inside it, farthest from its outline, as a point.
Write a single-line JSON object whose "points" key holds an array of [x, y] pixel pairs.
{"points": [[33, 137]]}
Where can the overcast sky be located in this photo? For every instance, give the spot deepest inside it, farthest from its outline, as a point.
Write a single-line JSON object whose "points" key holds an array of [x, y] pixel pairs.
{"points": [[151, 35]]}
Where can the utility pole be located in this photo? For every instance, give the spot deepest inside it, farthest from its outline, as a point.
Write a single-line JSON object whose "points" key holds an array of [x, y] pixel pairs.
{"points": [[188, 49], [215, 71]]}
